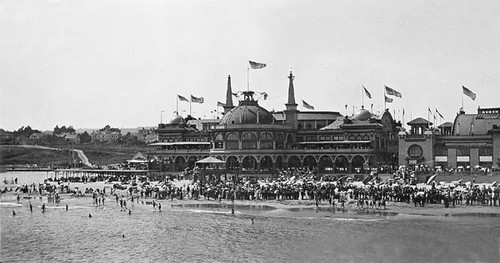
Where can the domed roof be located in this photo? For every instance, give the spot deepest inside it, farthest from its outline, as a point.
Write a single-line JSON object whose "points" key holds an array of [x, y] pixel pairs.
{"points": [[362, 115], [246, 113], [176, 120]]}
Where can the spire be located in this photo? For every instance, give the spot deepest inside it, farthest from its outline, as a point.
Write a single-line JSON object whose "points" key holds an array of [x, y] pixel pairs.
{"points": [[229, 96], [291, 92], [291, 112]]}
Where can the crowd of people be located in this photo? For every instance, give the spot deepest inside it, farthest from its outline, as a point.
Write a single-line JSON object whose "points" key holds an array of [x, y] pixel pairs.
{"points": [[291, 184]]}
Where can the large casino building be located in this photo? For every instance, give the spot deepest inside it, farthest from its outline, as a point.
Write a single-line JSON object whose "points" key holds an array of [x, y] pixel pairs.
{"points": [[250, 139], [471, 141]]}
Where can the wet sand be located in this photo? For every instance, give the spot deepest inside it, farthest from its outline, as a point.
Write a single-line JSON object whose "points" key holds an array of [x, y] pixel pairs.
{"points": [[392, 208]]}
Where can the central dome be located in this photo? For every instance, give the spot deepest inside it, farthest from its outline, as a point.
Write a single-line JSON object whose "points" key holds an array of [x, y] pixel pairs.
{"points": [[362, 115], [247, 112], [176, 120]]}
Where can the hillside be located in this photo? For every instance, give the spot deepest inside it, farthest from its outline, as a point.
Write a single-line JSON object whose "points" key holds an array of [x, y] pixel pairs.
{"points": [[99, 155]]}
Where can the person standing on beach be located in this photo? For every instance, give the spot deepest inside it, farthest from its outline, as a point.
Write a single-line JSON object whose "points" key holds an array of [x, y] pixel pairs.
{"points": [[159, 207], [43, 208], [31, 208]]}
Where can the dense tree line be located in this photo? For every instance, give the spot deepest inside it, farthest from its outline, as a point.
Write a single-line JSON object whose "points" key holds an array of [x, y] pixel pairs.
{"points": [[63, 129]]}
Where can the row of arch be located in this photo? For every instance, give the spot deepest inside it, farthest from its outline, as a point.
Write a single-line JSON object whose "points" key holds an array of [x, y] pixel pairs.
{"points": [[251, 140], [266, 162]]}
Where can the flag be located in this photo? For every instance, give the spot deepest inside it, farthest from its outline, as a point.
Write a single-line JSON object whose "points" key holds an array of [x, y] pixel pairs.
{"points": [[429, 109], [440, 115], [367, 93], [306, 105], [388, 100], [256, 65], [392, 92], [197, 100], [469, 93], [181, 98], [220, 104]]}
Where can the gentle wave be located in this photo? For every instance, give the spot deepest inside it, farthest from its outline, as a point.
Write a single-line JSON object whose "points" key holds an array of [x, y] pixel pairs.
{"points": [[10, 204], [205, 211]]}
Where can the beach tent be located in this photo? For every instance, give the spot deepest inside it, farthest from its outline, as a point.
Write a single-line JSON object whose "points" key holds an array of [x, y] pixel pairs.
{"points": [[210, 163], [210, 160]]}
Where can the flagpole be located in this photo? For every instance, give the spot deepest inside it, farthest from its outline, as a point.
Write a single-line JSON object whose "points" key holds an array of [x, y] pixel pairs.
{"points": [[190, 101], [177, 105], [462, 99], [385, 107], [248, 78], [428, 121], [362, 97]]}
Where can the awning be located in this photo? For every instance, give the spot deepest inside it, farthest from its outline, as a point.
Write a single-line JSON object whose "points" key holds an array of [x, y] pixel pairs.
{"points": [[179, 143], [335, 142], [210, 160]]}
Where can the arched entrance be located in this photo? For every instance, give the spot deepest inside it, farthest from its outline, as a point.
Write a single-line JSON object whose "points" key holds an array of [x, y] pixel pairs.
{"points": [[325, 164], [341, 164], [249, 163], [357, 163], [232, 163], [310, 162], [180, 163], [279, 162], [294, 161], [266, 163], [191, 162]]}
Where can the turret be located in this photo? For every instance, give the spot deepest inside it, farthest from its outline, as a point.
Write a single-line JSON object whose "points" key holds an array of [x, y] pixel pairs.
{"points": [[229, 96], [291, 112]]}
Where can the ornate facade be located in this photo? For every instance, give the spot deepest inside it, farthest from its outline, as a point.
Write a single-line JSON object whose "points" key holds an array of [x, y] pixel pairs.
{"points": [[473, 140], [251, 139]]}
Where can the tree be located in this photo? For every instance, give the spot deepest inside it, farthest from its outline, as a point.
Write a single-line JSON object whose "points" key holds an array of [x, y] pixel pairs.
{"points": [[85, 137], [109, 128]]}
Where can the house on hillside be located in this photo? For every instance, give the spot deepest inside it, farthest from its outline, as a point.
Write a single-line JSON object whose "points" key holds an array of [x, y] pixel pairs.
{"points": [[70, 137], [147, 135], [36, 137], [106, 136], [6, 137]]}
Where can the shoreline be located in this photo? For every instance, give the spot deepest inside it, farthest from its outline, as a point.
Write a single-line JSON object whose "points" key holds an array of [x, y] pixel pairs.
{"points": [[288, 206]]}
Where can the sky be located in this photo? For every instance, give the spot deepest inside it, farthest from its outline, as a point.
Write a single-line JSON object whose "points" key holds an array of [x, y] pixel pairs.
{"points": [[98, 62]]}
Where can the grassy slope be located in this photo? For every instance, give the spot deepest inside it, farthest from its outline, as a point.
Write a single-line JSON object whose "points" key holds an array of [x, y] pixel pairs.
{"points": [[99, 155]]}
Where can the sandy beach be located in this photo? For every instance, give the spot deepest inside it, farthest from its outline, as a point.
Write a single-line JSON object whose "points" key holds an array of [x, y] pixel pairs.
{"points": [[350, 208]]}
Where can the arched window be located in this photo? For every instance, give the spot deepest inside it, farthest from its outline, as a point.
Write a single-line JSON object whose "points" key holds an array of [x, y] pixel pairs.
{"points": [[232, 141], [279, 141], [266, 141], [219, 141], [415, 151], [249, 141]]}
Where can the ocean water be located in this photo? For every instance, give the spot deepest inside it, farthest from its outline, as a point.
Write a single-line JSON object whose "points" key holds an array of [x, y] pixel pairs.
{"points": [[210, 233]]}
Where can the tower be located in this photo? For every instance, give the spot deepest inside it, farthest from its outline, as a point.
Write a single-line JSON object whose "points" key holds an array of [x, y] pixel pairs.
{"points": [[229, 96], [291, 112]]}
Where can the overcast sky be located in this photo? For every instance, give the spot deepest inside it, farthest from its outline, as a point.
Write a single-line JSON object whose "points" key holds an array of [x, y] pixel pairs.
{"points": [[92, 63]]}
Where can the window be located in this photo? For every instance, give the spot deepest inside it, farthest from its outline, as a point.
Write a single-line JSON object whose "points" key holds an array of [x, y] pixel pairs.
{"points": [[338, 137], [463, 151], [266, 141], [485, 152], [311, 138], [324, 138], [249, 141], [279, 141], [415, 151], [232, 141], [219, 141], [441, 151]]}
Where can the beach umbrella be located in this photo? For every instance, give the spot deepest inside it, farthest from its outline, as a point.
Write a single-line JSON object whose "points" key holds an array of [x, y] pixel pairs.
{"points": [[429, 181]]}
